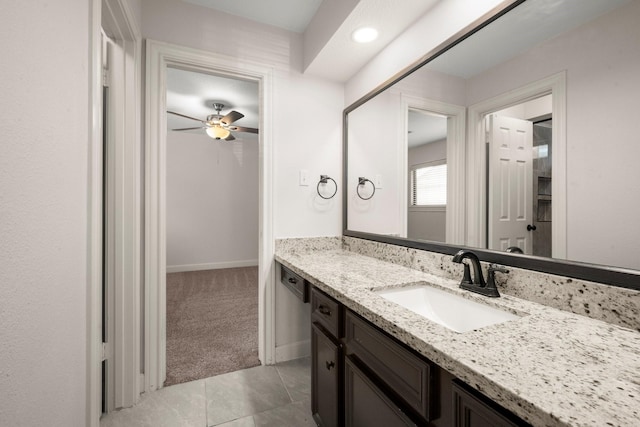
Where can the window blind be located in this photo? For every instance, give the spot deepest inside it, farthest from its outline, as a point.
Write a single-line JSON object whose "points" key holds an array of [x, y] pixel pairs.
{"points": [[429, 185]]}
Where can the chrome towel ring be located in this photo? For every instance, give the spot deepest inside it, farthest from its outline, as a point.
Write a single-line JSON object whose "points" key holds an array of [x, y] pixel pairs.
{"points": [[323, 180], [361, 183]]}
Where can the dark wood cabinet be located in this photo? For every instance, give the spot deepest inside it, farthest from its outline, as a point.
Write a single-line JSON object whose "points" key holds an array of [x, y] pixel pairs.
{"points": [[326, 381], [363, 377], [470, 409], [327, 361], [294, 283], [407, 376], [366, 405]]}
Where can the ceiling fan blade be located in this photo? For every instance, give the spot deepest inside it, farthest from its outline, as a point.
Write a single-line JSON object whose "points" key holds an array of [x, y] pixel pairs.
{"points": [[186, 117], [243, 129], [230, 138], [231, 117], [199, 127]]}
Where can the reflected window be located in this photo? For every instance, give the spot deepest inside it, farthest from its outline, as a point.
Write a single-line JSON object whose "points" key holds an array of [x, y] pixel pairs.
{"points": [[429, 184]]}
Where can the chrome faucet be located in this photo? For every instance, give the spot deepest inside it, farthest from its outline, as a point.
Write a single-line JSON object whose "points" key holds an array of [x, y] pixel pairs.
{"points": [[478, 284]]}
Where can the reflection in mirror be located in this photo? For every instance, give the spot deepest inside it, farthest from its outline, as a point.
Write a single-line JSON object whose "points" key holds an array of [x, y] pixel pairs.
{"points": [[519, 182], [427, 165], [565, 73], [381, 136]]}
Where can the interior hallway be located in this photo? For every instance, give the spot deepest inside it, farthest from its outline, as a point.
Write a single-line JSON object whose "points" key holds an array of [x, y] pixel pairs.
{"points": [[265, 396]]}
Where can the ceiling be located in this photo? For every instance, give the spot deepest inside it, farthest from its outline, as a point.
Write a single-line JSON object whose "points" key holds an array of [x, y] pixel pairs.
{"points": [[326, 27], [528, 25], [425, 128], [292, 15], [192, 93], [329, 24]]}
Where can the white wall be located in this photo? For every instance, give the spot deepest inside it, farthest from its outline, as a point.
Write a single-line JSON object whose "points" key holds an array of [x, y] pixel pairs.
{"points": [[427, 223], [44, 117], [212, 202], [307, 125], [307, 119], [602, 130]]}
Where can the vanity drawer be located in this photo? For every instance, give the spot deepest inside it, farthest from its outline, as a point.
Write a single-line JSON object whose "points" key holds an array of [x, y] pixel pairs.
{"points": [[471, 409], [326, 311], [366, 404], [406, 374], [294, 283]]}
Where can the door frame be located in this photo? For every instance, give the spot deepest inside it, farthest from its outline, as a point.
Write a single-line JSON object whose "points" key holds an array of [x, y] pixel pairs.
{"points": [[159, 56], [476, 159], [118, 19]]}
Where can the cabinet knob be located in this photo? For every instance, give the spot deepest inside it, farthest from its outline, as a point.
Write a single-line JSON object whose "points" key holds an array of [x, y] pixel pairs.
{"points": [[293, 280], [330, 364], [324, 310]]}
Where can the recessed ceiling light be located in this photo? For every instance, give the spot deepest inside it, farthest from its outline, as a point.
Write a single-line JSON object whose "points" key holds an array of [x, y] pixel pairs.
{"points": [[364, 35]]}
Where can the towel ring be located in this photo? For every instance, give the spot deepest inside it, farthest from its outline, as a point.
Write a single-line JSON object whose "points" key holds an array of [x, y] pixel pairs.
{"points": [[361, 182], [323, 180]]}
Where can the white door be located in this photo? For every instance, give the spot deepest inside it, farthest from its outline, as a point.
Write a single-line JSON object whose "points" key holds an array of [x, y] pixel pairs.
{"points": [[510, 173]]}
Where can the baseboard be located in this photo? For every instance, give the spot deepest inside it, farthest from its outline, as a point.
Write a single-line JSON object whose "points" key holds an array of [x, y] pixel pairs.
{"points": [[211, 266], [292, 351]]}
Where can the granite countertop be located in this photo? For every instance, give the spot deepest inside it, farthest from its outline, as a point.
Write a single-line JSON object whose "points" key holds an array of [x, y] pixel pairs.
{"points": [[550, 367]]}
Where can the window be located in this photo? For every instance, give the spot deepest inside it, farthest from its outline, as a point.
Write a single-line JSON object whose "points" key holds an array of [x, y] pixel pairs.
{"points": [[429, 184]]}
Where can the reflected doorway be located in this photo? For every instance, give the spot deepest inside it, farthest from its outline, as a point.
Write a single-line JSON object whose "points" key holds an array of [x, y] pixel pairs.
{"points": [[519, 178], [427, 166]]}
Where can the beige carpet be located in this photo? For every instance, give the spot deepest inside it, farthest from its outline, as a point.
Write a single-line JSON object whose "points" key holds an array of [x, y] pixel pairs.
{"points": [[212, 323]]}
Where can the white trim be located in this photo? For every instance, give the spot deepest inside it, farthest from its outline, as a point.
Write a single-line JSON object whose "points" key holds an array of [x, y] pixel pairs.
{"points": [[211, 266], [456, 161], [293, 351], [124, 215], [94, 213], [159, 56], [434, 208], [403, 163], [477, 171]]}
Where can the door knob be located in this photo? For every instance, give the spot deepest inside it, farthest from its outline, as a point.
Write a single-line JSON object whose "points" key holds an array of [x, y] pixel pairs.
{"points": [[531, 227]]}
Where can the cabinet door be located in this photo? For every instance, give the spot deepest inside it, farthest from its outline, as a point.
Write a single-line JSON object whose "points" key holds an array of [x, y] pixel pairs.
{"points": [[326, 385], [473, 411], [366, 405]]}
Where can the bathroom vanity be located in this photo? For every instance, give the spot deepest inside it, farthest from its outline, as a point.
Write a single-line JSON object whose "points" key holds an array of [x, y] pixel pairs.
{"points": [[383, 381], [378, 363]]}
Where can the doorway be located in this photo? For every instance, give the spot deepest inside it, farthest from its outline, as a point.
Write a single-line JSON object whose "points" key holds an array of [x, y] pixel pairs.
{"points": [[478, 198], [519, 178], [442, 127], [427, 164], [160, 57], [211, 224]]}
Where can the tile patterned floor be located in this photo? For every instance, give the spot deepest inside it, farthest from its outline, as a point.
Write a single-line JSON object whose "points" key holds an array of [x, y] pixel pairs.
{"points": [[264, 396]]}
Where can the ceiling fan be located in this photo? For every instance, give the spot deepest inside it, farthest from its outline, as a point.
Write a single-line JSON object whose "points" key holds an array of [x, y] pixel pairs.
{"points": [[216, 125]]}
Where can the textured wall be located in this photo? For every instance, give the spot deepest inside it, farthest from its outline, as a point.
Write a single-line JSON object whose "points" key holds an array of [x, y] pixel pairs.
{"points": [[43, 212], [307, 118]]}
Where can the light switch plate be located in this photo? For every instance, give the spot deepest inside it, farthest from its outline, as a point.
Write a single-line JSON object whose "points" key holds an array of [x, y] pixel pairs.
{"points": [[304, 177]]}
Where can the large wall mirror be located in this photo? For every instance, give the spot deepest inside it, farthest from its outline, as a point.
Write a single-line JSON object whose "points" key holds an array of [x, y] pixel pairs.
{"points": [[519, 138]]}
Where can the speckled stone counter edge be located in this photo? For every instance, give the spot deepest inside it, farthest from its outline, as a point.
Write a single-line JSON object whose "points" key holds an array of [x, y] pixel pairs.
{"points": [[593, 367], [611, 304]]}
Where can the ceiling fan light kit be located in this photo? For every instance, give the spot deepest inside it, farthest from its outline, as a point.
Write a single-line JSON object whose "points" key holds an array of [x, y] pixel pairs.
{"points": [[217, 125], [217, 132]]}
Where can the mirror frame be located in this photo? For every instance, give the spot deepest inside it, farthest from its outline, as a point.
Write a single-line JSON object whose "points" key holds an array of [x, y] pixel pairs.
{"points": [[608, 275]]}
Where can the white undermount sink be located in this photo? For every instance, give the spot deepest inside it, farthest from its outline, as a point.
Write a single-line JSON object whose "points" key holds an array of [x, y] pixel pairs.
{"points": [[445, 308]]}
